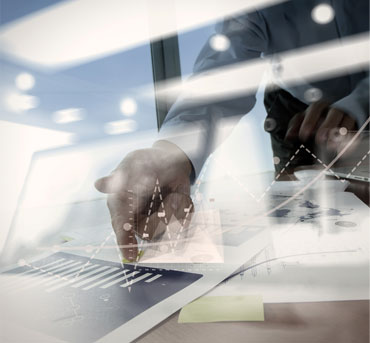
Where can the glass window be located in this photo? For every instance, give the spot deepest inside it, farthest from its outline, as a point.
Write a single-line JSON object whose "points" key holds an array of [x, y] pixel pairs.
{"points": [[248, 139], [54, 93], [90, 88]]}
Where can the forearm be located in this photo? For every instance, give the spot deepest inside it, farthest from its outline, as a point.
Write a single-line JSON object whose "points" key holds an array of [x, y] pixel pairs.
{"points": [[192, 125]]}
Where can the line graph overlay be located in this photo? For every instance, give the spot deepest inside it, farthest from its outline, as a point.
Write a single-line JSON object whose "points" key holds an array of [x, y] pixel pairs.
{"points": [[268, 188], [358, 164], [266, 213]]}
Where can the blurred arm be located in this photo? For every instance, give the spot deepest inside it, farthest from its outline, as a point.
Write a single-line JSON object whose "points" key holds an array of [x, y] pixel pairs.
{"points": [[356, 104], [192, 127]]}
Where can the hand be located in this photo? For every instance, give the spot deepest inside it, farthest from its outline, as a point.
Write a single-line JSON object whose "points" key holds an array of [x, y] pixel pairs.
{"points": [[131, 187], [321, 121]]}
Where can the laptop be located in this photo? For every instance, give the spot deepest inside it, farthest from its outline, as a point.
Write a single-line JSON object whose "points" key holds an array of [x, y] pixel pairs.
{"points": [[356, 164], [361, 173]]}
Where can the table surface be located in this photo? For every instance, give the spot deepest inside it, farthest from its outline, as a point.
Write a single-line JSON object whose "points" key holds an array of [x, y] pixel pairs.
{"points": [[321, 322], [314, 322]]}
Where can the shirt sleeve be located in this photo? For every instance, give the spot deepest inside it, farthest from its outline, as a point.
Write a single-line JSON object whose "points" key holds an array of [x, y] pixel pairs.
{"points": [[356, 103], [192, 127]]}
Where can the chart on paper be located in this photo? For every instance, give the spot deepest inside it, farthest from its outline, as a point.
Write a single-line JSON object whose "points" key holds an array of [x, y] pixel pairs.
{"points": [[80, 299]]}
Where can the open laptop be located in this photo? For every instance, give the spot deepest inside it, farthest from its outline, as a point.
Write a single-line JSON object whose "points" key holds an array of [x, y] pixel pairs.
{"points": [[54, 289], [356, 164], [361, 173]]}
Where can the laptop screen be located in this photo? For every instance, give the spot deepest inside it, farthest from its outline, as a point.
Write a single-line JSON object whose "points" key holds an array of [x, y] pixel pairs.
{"points": [[59, 193]]}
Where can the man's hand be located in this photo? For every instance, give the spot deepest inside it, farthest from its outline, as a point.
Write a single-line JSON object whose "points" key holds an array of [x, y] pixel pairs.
{"points": [[131, 187], [321, 121]]}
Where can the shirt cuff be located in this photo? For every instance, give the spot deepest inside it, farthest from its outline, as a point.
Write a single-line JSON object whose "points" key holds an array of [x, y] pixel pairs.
{"points": [[191, 139]]}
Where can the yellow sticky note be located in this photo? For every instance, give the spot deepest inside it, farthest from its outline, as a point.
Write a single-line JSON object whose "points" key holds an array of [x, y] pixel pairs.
{"points": [[223, 309]]}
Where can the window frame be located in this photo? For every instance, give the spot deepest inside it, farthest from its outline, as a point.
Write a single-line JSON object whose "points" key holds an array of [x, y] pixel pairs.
{"points": [[166, 65]]}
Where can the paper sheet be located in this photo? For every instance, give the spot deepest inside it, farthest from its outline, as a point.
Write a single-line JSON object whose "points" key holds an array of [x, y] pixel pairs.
{"points": [[321, 256], [316, 227], [223, 309], [142, 294]]}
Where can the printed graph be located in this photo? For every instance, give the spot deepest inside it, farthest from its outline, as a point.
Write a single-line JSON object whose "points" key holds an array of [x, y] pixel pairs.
{"points": [[80, 299]]}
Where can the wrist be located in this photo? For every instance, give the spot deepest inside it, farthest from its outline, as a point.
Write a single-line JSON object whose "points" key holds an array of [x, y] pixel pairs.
{"points": [[176, 154]]}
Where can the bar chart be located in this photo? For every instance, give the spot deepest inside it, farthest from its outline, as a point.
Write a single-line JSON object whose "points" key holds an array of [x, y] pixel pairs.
{"points": [[80, 299]]}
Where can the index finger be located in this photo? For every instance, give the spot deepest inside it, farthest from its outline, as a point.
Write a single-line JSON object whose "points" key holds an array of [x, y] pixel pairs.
{"points": [[123, 224], [294, 126], [311, 119], [331, 121]]}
